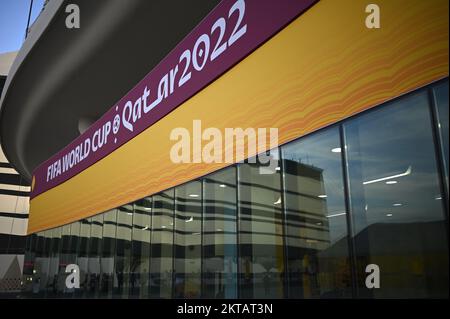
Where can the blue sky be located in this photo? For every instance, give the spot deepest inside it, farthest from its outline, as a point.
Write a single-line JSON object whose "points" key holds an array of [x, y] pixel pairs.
{"points": [[13, 22]]}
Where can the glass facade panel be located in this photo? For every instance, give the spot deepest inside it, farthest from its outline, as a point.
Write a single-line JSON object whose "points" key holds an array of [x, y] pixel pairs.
{"points": [[55, 250], [219, 235], [28, 265], [44, 261], [140, 257], [371, 190], [72, 254], [260, 232], [396, 204], [316, 229], [441, 100], [95, 246], [108, 252], [188, 213], [161, 267], [123, 251], [82, 257], [64, 260], [37, 265]]}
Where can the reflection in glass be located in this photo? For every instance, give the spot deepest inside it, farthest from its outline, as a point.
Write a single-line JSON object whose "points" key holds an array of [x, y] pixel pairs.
{"points": [[95, 245], [260, 232], [316, 238], [72, 254], [291, 219], [397, 207], [441, 100], [43, 261], [28, 265], [161, 269], [82, 257], [55, 250], [188, 209], [123, 251], [64, 260], [38, 264], [108, 251], [219, 235], [140, 258]]}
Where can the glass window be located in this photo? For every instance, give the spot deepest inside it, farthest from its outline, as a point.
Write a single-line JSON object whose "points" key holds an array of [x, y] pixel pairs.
{"points": [[123, 251], [64, 260], [82, 257], [72, 253], [396, 204], [441, 100], [37, 265], [140, 258], [316, 227], [55, 250], [108, 253], [260, 233], [28, 265], [161, 268], [188, 213], [43, 262], [219, 235], [95, 245]]}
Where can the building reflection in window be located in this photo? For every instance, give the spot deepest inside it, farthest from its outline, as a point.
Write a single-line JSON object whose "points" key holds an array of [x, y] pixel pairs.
{"points": [[44, 261], [441, 100], [71, 255], [316, 237], [161, 269], [140, 257], [188, 209], [108, 251], [28, 265], [95, 246], [82, 257], [54, 255], [64, 260], [219, 235], [123, 251], [396, 200], [38, 263], [260, 232]]}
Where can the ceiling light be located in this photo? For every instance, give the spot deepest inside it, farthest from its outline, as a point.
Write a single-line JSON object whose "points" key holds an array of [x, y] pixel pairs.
{"points": [[389, 215], [336, 150], [397, 204], [319, 224], [145, 228], [219, 229], [163, 226], [336, 215], [222, 185], [190, 219], [405, 173], [438, 198], [322, 196], [193, 195], [391, 182], [277, 168], [278, 201]]}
